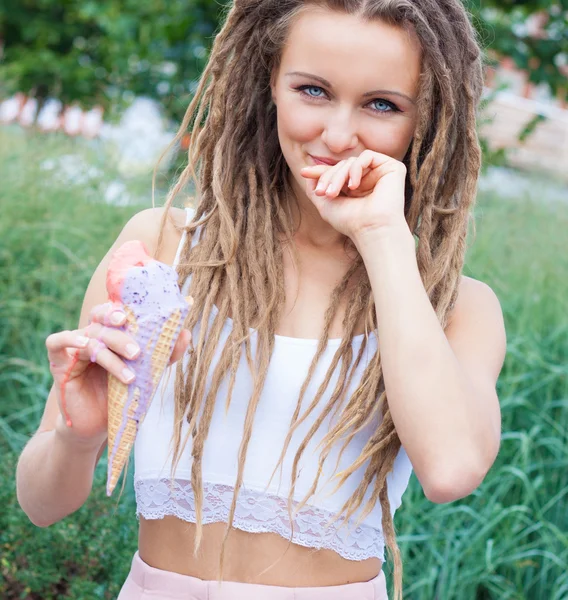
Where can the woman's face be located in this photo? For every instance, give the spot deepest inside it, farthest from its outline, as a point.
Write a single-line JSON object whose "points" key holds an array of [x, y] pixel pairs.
{"points": [[345, 85]]}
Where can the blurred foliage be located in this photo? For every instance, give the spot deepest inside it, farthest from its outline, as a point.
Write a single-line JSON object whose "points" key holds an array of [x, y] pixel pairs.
{"points": [[84, 557], [108, 51], [502, 25]]}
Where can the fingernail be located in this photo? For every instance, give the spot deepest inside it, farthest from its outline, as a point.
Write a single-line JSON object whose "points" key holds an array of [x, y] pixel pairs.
{"points": [[329, 190], [117, 317], [132, 350], [320, 187], [128, 375], [350, 182], [82, 341]]}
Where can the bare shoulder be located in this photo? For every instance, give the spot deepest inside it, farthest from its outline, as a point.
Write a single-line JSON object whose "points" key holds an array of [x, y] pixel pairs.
{"points": [[474, 294], [146, 225], [476, 326]]}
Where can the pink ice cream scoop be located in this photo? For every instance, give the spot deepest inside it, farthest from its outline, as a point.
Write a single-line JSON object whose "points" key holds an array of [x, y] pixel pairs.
{"points": [[155, 312]]}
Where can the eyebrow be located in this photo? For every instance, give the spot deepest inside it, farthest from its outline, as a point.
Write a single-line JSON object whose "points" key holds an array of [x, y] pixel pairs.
{"points": [[366, 94]]}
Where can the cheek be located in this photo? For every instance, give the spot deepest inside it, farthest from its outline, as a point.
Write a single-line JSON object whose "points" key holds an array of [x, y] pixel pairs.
{"points": [[297, 123], [391, 138]]}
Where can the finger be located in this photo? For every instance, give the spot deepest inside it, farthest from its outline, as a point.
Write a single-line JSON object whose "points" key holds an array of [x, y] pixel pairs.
{"points": [[338, 181], [181, 346], [109, 314], [118, 341], [96, 347], [314, 171], [57, 344], [97, 352], [311, 186], [326, 178], [372, 160], [377, 165], [355, 175]]}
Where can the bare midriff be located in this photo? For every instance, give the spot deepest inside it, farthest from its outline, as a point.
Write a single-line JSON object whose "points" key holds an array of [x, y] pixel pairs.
{"points": [[167, 544]]}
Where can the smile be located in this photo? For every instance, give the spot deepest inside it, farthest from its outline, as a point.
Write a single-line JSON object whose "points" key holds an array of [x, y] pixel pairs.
{"points": [[323, 161]]}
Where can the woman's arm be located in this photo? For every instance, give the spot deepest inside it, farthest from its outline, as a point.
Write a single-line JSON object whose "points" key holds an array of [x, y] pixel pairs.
{"points": [[54, 476], [440, 385]]}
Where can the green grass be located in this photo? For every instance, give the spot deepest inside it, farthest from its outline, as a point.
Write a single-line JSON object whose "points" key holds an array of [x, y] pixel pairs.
{"points": [[508, 540]]}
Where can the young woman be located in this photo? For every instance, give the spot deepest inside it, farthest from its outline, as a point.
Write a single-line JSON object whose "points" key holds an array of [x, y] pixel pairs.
{"points": [[335, 345]]}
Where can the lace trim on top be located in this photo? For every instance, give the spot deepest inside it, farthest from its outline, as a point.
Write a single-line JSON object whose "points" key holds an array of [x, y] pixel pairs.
{"points": [[257, 512]]}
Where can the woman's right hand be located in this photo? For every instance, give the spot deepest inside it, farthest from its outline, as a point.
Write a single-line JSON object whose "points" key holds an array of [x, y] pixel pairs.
{"points": [[86, 382]]}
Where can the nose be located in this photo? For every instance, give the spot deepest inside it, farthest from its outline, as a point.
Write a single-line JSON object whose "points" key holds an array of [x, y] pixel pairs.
{"points": [[340, 131]]}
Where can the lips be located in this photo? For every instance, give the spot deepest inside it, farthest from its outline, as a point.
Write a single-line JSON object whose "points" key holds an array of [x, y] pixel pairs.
{"points": [[323, 161]]}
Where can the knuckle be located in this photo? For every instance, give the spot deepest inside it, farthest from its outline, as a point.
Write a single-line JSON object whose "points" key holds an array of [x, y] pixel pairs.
{"points": [[97, 352], [98, 310], [54, 340], [88, 331]]}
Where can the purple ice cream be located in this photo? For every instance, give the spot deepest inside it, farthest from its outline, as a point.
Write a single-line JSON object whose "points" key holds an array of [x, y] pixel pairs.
{"points": [[156, 311]]}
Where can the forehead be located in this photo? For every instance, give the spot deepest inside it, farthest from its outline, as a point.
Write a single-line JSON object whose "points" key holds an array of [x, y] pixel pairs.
{"points": [[348, 50]]}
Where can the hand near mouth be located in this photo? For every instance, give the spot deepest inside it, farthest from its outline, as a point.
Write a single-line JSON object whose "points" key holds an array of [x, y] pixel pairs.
{"points": [[360, 194]]}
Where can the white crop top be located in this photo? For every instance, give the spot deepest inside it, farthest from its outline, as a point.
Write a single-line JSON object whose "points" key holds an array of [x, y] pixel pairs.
{"points": [[260, 509]]}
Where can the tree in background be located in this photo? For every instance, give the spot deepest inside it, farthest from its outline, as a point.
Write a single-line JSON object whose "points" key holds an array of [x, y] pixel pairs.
{"points": [[533, 33], [106, 52]]}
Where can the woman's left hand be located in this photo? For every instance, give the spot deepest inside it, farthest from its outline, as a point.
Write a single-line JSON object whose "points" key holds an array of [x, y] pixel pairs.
{"points": [[359, 196]]}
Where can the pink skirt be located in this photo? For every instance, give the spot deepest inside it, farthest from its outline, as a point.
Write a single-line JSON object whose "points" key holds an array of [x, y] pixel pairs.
{"points": [[145, 582]]}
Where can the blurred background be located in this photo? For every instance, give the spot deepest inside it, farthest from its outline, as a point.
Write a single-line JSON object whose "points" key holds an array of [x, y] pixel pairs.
{"points": [[91, 93]]}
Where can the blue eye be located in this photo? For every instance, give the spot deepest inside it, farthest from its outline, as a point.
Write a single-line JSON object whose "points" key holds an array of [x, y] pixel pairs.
{"points": [[304, 89], [383, 106]]}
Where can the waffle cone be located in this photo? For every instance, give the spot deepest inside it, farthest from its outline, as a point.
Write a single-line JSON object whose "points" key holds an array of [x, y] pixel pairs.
{"points": [[123, 399]]}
